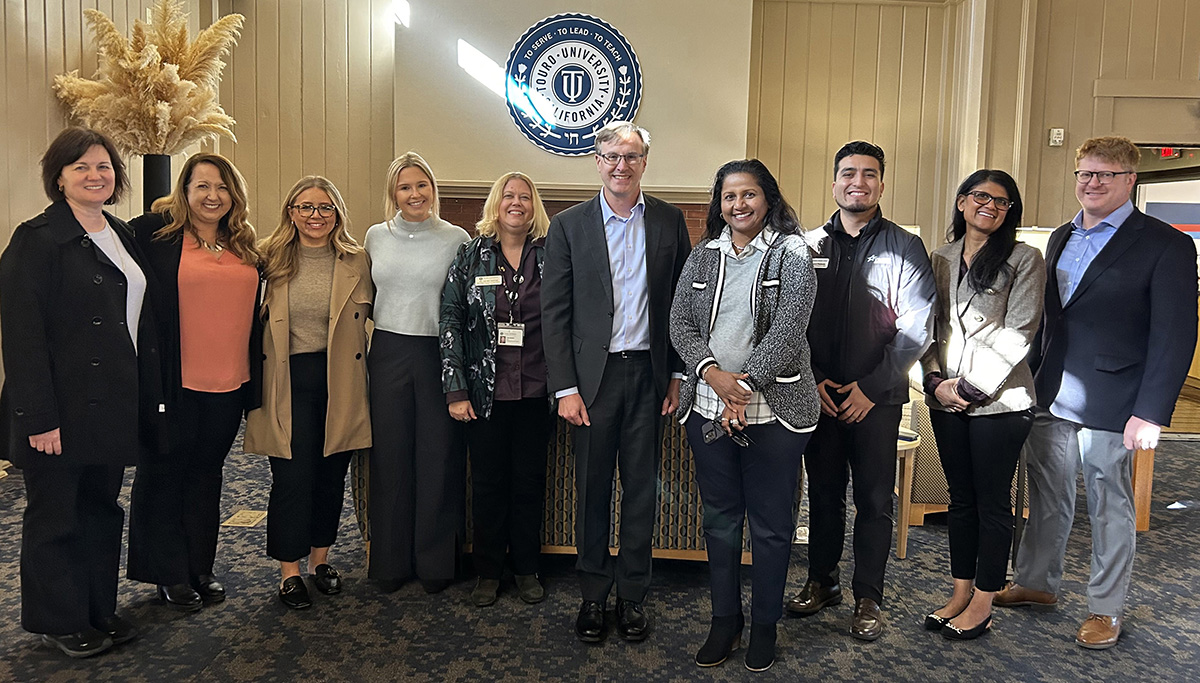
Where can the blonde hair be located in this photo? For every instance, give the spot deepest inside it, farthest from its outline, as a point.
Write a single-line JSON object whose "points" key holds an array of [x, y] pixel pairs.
{"points": [[279, 249], [408, 160], [234, 227], [489, 224], [1114, 149]]}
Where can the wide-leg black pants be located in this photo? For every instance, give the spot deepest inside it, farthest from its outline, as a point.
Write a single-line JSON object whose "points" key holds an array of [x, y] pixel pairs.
{"points": [[175, 506], [70, 546], [418, 463]]}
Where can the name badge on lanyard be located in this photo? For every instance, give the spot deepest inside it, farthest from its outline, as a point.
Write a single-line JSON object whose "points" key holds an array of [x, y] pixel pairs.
{"points": [[511, 334], [819, 263]]}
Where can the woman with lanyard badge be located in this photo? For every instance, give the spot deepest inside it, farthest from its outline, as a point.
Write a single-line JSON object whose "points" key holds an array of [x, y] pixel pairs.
{"points": [[494, 376]]}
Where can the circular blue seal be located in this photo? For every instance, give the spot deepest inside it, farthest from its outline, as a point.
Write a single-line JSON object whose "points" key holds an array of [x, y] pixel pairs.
{"points": [[567, 77]]}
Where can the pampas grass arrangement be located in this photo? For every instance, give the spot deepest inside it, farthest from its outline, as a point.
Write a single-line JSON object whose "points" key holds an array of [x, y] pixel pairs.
{"points": [[155, 93]]}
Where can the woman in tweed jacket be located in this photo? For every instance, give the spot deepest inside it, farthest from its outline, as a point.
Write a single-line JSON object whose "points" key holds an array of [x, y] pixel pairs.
{"points": [[979, 387], [749, 402]]}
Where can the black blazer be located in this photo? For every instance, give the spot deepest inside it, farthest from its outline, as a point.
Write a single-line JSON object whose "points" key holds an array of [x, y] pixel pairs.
{"points": [[163, 258], [1128, 332], [69, 362], [577, 294]]}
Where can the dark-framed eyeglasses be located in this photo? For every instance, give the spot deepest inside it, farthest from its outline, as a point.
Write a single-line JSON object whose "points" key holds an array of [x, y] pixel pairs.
{"points": [[612, 159], [306, 210], [1102, 177], [982, 198]]}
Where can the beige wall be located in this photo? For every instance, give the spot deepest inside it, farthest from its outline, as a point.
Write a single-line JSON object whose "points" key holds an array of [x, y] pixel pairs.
{"points": [[39, 40], [695, 63], [310, 84], [1142, 57], [824, 73]]}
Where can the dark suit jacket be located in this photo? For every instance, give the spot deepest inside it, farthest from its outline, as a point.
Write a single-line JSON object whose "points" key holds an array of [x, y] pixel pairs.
{"points": [[1129, 330], [163, 258], [69, 362], [577, 294]]}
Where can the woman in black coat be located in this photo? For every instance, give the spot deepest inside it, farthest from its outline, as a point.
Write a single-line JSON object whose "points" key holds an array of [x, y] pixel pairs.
{"points": [[82, 382], [200, 245]]}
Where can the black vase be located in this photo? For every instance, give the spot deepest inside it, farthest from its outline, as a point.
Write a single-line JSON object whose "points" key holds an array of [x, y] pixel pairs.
{"points": [[156, 178]]}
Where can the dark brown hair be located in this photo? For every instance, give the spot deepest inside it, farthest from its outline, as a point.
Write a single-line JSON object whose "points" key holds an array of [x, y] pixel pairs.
{"points": [[67, 148]]}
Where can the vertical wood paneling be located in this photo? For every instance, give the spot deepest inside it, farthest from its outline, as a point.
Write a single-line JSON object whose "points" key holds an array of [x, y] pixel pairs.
{"points": [[1114, 39], [775, 46], [1168, 43], [756, 28], [1143, 30], [383, 136]]}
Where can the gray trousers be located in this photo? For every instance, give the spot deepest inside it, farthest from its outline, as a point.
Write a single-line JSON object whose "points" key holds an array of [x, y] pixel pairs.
{"points": [[1056, 450]]}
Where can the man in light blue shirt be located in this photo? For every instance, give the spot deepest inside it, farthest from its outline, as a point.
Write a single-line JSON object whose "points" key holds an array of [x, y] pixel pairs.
{"points": [[1115, 344], [610, 273]]}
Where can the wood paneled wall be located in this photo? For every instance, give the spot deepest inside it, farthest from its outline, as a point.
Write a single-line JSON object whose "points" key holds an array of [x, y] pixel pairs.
{"points": [[824, 73], [310, 84], [1080, 41], [39, 40]]}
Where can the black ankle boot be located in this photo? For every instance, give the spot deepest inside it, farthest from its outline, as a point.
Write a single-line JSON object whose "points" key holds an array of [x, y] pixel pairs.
{"points": [[761, 653], [724, 636]]}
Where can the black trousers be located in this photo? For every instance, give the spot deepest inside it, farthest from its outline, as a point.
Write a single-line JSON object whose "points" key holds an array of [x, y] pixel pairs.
{"points": [[979, 456], [70, 546], [305, 506], [626, 430], [866, 450], [418, 463], [759, 481], [175, 506], [508, 485]]}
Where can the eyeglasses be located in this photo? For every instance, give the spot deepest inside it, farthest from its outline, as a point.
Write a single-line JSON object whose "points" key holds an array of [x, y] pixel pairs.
{"points": [[306, 210], [613, 159], [1102, 177], [982, 198]]}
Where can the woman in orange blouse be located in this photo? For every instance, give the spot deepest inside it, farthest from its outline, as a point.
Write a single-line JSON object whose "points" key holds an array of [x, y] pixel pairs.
{"points": [[201, 248]]}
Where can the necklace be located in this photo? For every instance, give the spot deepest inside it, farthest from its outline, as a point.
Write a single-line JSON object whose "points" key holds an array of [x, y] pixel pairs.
{"points": [[215, 247]]}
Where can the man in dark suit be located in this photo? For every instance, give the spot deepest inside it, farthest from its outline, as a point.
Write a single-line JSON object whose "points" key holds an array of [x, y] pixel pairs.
{"points": [[610, 273], [1116, 341]]}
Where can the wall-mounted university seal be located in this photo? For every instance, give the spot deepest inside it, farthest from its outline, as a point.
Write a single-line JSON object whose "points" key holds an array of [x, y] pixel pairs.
{"points": [[568, 76]]}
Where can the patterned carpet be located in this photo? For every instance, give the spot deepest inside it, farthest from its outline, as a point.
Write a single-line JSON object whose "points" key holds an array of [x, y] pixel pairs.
{"points": [[363, 635]]}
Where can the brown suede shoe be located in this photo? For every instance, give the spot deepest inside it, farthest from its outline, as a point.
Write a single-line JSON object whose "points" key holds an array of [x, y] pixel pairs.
{"points": [[1019, 596], [1099, 632], [867, 623]]}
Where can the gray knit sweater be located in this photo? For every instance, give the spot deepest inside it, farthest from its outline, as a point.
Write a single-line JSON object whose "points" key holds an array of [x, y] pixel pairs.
{"points": [[409, 262]]}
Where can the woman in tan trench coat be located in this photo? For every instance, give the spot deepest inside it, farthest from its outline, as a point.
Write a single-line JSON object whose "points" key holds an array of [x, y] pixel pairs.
{"points": [[315, 410]]}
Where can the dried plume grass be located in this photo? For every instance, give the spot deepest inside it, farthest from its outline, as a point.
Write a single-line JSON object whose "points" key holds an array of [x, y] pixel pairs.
{"points": [[155, 93]]}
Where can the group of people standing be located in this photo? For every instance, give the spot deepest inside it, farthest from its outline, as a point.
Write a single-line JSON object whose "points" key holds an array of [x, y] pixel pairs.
{"points": [[145, 343]]}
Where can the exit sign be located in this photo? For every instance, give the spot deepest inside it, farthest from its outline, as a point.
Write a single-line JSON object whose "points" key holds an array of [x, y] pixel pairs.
{"points": [[1168, 152]]}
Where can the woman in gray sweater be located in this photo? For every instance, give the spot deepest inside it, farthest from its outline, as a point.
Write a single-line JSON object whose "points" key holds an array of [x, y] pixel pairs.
{"points": [[417, 496], [749, 402]]}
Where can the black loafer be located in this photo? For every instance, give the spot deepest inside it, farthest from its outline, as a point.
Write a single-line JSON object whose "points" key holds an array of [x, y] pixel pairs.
{"points": [[632, 623], [118, 629], [79, 645], [589, 625], [327, 580], [814, 598], [294, 593], [867, 622], [209, 588], [181, 597]]}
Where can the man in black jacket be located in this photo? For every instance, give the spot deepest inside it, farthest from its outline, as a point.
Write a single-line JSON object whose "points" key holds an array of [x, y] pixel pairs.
{"points": [[872, 320]]}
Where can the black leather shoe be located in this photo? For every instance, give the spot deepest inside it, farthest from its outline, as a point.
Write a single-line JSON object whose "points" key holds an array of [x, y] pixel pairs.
{"points": [[724, 636], [814, 598], [432, 586], [118, 629], [530, 588], [589, 625], [209, 588], [79, 645], [181, 597], [761, 653], [327, 579], [867, 623], [935, 623], [294, 593], [953, 632], [632, 623]]}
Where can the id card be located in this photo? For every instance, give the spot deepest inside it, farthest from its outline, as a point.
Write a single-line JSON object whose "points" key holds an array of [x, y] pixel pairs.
{"points": [[488, 280], [511, 334], [820, 263]]}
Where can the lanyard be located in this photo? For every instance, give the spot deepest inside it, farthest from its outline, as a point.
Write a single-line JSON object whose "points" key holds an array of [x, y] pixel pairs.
{"points": [[514, 293]]}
